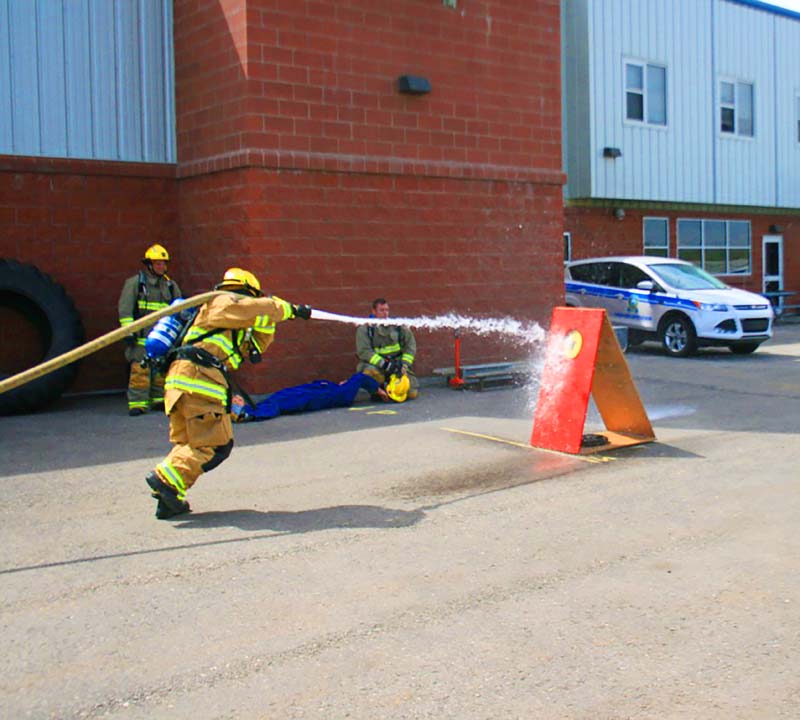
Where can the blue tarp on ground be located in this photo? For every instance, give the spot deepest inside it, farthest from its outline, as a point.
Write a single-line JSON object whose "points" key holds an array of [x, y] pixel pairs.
{"points": [[317, 395]]}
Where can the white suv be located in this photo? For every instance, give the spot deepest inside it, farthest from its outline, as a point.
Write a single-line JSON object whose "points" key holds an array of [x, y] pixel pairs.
{"points": [[670, 300]]}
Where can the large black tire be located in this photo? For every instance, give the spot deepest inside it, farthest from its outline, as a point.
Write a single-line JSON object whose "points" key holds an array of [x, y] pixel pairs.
{"points": [[46, 306], [677, 334]]}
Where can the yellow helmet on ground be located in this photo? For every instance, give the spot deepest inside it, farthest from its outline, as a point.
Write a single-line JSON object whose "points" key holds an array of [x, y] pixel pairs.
{"points": [[397, 388], [240, 280], [156, 252]]}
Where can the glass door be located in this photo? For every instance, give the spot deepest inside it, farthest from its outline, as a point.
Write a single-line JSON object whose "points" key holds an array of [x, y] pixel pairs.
{"points": [[772, 270]]}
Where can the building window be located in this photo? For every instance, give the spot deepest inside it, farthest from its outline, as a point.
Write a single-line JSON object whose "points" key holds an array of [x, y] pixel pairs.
{"points": [[736, 108], [567, 247], [721, 247], [656, 236], [645, 93]]}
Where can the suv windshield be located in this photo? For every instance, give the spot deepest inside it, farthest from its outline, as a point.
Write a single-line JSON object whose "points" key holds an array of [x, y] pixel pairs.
{"points": [[686, 277]]}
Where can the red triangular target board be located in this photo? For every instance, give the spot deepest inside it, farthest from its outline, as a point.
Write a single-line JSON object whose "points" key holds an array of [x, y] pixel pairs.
{"points": [[583, 358]]}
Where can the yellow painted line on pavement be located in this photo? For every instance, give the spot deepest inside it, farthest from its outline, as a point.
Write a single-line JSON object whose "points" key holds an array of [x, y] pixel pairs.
{"points": [[585, 458], [383, 412], [359, 409]]}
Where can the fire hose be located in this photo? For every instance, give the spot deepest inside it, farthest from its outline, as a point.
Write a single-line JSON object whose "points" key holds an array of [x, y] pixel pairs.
{"points": [[103, 341]]}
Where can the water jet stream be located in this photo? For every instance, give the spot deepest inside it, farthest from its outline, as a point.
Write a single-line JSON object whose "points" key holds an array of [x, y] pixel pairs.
{"points": [[530, 333]]}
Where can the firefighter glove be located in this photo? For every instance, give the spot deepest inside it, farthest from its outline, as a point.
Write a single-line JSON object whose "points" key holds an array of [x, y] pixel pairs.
{"points": [[392, 366], [301, 311]]}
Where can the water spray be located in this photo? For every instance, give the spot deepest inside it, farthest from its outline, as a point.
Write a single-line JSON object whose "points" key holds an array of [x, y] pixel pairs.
{"points": [[530, 333]]}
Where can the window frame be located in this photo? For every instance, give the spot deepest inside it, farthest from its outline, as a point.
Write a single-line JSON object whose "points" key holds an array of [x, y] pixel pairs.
{"points": [[644, 65], [704, 246], [567, 236], [644, 236], [736, 107]]}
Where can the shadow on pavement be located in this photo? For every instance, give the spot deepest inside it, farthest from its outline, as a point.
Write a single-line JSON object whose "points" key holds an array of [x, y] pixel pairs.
{"points": [[340, 516], [278, 523]]}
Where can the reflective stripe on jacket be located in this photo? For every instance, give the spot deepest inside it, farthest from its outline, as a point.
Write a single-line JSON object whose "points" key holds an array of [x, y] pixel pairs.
{"points": [[252, 320], [376, 342], [134, 303]]}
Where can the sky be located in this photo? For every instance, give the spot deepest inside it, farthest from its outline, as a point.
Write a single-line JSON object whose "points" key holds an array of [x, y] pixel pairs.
{"points": [[788, 4]]}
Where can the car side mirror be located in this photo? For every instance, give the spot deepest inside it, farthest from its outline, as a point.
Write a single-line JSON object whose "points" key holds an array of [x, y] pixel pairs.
{"points": [[648, 285]]}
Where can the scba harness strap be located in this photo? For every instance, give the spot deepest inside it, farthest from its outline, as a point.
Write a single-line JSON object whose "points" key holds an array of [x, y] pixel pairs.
{"points": [[202, 357], [142, 292]]}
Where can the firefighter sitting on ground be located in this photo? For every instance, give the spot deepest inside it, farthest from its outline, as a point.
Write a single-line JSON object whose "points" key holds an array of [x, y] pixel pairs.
{"points": [[149, 290], [386, 353], [227, 329]]}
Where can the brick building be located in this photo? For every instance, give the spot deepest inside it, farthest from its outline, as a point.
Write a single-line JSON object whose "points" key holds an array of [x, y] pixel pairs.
{"points": [[296, 156]]}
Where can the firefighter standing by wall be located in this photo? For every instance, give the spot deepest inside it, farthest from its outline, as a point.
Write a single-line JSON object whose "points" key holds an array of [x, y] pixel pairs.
{"points": [[198, 393], [386, 350], [149, 290]]}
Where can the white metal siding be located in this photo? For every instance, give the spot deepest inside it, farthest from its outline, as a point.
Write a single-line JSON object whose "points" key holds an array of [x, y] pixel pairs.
{"points": [[787, 53], [689, 160], [577, 108], [668, 163], [87, 79], [744, 51]]}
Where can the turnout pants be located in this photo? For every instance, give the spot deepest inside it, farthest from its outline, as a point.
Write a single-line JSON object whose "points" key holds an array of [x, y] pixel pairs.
{"points": [[145, 386], [202, 437]]}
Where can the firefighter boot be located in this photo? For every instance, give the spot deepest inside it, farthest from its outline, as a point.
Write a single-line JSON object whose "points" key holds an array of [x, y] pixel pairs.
{"points": [[168, 499], [163, 511]]}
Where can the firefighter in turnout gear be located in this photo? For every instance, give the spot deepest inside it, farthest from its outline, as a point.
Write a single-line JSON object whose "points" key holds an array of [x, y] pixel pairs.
{"points": [[149, 290], [225, 330], [386, 353]]}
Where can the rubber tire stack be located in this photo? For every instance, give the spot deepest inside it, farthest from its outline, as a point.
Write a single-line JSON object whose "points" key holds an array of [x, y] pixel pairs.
{"points": [[45, 304]]}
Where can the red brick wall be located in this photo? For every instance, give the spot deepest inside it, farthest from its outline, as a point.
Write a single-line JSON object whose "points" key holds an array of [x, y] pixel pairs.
{"points": [[301, 161], [336, 241], [320, 77], [86, 224], [210, 38], [597, 233]]}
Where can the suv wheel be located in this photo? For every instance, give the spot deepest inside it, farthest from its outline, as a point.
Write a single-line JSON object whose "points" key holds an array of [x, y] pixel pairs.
{"points": [[678, 337]]}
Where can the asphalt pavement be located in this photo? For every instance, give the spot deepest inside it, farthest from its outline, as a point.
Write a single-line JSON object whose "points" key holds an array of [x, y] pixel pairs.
{"points": [[416, 560]]}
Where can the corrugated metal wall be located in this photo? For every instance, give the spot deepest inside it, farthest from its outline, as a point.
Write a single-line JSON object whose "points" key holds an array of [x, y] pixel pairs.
{"points": [[787, 114], [576, 79], [744, 42], [87, 79], [688, 160]]}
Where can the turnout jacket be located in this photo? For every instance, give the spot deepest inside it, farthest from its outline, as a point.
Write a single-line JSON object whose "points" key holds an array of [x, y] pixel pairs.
{"points": [[242, 323], [375, 342], [141, 294]]}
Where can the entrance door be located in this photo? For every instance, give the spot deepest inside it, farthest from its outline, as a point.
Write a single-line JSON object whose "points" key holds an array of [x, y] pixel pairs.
{"points": [[772, 268]]}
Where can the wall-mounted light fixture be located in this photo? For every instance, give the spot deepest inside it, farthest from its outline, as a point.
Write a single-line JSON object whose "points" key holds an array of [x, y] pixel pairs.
{"points": [[776, 229], [612, 152], [413, 85], [619, 213]]}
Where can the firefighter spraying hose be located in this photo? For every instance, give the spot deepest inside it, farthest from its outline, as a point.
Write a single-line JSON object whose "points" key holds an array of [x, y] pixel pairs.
{"points": [[533, 333], [199, 342]]}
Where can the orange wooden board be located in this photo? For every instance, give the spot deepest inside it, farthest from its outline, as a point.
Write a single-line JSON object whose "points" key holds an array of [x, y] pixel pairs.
{"points": [[583, 359]]}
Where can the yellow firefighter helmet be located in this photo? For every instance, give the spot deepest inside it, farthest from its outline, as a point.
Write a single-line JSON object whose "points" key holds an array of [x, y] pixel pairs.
{"points": [[397, 388], [156, 252], [237, 279]]}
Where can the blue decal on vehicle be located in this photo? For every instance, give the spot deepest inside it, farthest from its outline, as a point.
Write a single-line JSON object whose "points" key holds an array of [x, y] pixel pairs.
{"points": [[633, 298]]}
